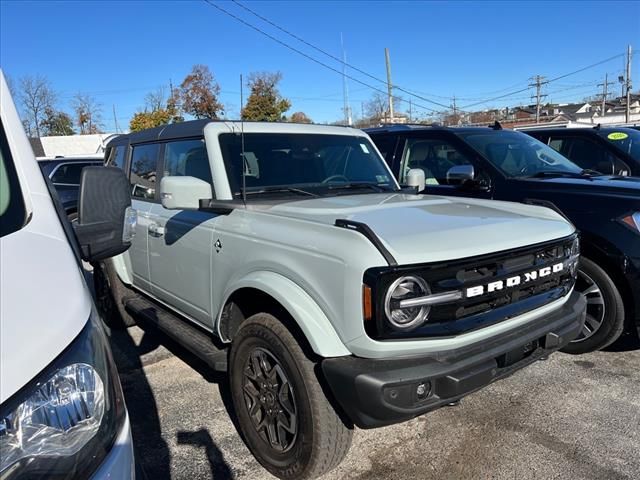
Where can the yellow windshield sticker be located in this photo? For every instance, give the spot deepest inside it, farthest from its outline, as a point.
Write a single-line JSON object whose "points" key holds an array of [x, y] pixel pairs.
{"points": [[617, 136]]}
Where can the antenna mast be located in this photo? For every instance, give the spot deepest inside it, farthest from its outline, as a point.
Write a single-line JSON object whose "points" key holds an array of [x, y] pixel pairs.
{"points": [[345, 87], [244, 167]]}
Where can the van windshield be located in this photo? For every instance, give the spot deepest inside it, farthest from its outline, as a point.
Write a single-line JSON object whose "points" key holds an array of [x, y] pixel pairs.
{"points": [[314, 164], [12, 209], [519, 155]]}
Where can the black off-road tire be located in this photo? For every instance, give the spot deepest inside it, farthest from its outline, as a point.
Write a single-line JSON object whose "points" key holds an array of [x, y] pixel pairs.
{"points": [[613, 321], [322, 439], [110, 296]]}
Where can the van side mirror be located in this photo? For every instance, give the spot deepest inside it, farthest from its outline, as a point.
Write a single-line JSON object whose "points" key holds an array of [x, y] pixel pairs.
{"points": [[184, 193], [460, 174], [415, 178], [106, 221]]}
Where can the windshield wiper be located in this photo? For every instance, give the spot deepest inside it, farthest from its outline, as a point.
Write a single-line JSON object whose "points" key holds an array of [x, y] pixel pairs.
{"points": [[560, 173], [359, 185], [298, 191]]}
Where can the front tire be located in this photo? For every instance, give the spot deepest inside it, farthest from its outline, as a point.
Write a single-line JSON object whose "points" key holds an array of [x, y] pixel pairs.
{"points": [[110, 296], [605, 309], [283, 414]]}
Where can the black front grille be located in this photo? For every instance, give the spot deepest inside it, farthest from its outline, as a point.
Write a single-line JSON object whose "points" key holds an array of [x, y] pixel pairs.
{"points": [[490, 307]]}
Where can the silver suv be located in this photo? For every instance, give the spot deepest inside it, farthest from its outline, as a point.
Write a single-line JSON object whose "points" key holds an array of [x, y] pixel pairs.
{"points": [[288, 256]]}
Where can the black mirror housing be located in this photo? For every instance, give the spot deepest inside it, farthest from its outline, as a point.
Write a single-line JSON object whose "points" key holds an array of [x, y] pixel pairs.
{"points": [[104, 202], [460, 174]]}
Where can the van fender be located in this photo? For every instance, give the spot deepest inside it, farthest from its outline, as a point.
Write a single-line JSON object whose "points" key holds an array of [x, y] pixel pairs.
{"points": [[312, 321]]}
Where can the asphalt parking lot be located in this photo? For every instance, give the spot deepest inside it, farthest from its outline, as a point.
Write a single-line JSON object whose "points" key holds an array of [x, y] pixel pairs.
{"points": [[568, 417]]}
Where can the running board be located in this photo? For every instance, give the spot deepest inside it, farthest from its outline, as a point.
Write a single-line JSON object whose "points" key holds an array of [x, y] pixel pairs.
{"points": [[189, 336]]}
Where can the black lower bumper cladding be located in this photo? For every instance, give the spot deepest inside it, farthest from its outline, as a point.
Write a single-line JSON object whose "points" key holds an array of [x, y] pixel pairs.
{"points": [[374, 393]]}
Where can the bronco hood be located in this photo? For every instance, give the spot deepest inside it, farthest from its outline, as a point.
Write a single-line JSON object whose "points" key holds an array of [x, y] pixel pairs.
{"points": [[426, 228]]}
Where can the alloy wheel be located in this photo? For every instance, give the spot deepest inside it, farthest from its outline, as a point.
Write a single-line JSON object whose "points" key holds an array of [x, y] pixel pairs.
{"points": [[595, 305], [270, 401]]}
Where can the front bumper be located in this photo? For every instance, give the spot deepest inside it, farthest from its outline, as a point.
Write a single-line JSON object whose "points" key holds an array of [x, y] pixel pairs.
{"points": [[374, 393], [119, 463]]}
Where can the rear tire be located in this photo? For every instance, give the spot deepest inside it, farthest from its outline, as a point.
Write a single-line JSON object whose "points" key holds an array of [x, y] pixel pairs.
{"points": [[283, 414], [110, 296], [605, 309]]}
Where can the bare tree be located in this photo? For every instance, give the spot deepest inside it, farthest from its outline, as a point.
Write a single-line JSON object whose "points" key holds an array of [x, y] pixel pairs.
{"points": [[155, 100], [36, 95], [88, 113]]}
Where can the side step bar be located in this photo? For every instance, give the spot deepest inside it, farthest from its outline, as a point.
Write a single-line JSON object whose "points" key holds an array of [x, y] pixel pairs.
{"points": [[189, 336]]}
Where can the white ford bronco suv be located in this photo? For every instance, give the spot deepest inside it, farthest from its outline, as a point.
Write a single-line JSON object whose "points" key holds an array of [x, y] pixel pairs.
{"points": [[288, 256]]}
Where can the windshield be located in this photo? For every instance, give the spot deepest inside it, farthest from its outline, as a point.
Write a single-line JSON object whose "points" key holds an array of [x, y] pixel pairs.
{"points": [[12, 210], [315, 164], [519, 155], [626, 140]]}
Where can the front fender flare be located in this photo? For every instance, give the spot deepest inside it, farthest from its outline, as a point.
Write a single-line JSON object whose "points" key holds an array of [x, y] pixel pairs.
{"points": [[315, 325]]}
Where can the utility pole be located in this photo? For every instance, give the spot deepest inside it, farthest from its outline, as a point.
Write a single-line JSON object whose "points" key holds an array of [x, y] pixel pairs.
{"points": [[115, 118], [345, 88], [454, 107], [539, 81], [627, 115], [605, 86], [389, 84], [410, 111]]}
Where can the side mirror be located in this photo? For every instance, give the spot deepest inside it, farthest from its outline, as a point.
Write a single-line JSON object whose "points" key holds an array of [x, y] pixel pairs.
{"points": [[106, 221], [460, 174], [416, 179], [183, 193]]}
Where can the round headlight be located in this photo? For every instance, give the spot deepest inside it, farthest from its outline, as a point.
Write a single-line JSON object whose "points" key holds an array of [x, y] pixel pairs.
{"points": [[405, 288]]}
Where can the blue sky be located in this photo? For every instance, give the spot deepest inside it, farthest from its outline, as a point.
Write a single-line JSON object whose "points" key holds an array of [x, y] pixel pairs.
{"points": [[119, 51]]}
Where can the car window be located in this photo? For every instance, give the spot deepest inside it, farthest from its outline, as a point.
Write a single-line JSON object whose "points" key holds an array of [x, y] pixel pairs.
{"points": [[116, 156], [187, 158], [588, 154], [68, 173], [386, 145], [434, 156], [13, 214], [144, 160]]}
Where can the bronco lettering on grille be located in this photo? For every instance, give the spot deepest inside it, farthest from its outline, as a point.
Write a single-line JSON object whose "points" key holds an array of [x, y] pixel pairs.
{"points": [[514, 281]]}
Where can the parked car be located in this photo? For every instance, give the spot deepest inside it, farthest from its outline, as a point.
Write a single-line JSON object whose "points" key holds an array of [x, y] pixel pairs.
{"points": [[287, 256], [62, 412], [64, 173], [608, 150], [501, 164]]}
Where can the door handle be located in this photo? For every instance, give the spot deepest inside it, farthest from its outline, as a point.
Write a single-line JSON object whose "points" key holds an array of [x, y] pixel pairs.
{"points": [[156, 230]]}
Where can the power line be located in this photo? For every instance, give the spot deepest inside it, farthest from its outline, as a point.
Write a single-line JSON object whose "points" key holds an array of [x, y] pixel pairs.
{"points": [[548, 81], [324, 52], [299, 52]]}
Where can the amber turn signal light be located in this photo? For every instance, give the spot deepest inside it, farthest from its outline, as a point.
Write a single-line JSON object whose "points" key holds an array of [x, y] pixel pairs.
{"points": [[366, 303]]}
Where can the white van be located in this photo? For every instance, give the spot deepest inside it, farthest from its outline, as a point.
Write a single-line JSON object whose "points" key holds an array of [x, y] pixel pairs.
{"points": [[62, 411]]}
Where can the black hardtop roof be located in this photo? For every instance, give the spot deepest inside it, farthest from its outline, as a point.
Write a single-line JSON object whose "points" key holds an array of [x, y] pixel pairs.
{"points": [[430, 128], [192, 128], [588, 130]]}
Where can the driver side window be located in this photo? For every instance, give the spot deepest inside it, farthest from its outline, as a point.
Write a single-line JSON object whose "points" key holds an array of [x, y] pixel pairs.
{"points": [[434, 156]]}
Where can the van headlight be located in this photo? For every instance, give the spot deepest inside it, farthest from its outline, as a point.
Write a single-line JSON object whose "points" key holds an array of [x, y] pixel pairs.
{"points": [[64, 422], [406, 288]]}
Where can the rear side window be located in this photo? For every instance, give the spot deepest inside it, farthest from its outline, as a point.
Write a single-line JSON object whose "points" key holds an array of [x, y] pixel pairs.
{"points": [[187, 158], [13, 214], [144, 159], [589, 155], [116, 156], [68, 173]]}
